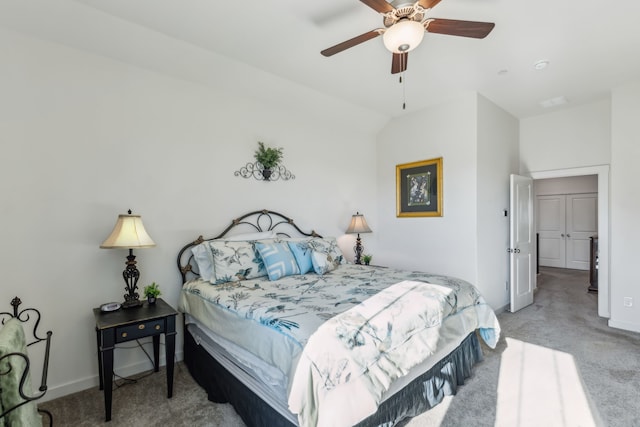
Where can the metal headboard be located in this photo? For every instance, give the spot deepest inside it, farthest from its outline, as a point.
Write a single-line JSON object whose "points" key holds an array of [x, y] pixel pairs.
{"points": [[257, 221]]}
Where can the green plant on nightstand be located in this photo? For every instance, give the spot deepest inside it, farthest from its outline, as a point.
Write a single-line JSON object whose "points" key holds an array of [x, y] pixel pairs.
{"points": [[152, 292], [367, 258]]}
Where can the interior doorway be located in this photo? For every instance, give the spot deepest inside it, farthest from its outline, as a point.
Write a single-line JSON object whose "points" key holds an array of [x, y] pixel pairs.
{"points": [[602, 173], [566, 219]]}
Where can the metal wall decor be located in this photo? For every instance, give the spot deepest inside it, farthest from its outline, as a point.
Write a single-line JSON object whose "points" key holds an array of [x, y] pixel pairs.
{"points": [[267, 166], [261, 173]]}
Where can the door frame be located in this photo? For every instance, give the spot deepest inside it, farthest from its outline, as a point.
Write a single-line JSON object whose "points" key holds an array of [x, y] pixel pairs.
{"points": [[604, 307]]}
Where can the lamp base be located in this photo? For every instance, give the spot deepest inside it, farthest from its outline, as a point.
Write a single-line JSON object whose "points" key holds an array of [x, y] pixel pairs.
{"points": [[358, 249], [131, 276]]}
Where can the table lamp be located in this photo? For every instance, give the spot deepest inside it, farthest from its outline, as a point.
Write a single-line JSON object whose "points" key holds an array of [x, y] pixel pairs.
{"points": [[358, 225], [129, 233]]}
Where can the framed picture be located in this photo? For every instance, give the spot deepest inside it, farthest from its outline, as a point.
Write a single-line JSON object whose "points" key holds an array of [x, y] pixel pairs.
{"points": [[419, 188]]}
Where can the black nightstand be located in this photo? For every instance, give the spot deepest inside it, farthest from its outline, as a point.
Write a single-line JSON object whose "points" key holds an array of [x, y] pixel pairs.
{"points": [[130, 324]]}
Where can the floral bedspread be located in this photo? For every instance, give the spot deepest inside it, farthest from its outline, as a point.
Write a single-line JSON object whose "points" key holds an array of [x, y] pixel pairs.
{"points": [[362, 351], [296, 307]]}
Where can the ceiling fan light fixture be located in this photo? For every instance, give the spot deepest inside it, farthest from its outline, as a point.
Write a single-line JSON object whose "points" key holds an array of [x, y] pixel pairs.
{"points": [[403, 36]]}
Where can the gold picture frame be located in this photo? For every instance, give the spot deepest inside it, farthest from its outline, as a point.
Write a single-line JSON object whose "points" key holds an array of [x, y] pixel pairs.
{"points": [[419, 188]]}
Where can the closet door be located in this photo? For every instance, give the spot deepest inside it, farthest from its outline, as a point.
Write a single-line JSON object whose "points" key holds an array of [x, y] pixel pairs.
{"points": [[551, 230], [582, 223]]}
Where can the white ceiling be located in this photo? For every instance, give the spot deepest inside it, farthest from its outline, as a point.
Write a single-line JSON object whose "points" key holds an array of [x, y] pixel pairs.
{"points": [[591, 46]]}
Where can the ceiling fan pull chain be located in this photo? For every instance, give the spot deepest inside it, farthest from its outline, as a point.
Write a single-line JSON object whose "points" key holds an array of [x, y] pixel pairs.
{"points": [[404, 92]]}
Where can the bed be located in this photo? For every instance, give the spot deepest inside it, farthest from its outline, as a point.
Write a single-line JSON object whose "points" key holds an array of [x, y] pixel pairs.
{"points": [[278, 324]]}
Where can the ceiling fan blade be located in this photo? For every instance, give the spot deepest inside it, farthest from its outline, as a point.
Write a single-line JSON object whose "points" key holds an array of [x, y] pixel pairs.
{"points": [[399, 62], [428, 4], [351, 42], [453, 27], [379, 5]]}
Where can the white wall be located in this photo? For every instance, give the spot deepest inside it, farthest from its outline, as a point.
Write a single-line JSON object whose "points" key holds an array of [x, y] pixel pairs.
{"points": [[568, 185], [625, 205], [444, 245], [497, 159], [85, 138], [478, 143], [566, 139]]}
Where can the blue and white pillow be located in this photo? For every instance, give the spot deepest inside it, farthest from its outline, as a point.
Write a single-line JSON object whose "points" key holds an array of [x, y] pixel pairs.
{"points": [[302, 253], [278, 260]]}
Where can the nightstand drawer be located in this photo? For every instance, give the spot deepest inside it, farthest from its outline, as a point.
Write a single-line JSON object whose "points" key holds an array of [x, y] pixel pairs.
{"points": [[139, 330]]}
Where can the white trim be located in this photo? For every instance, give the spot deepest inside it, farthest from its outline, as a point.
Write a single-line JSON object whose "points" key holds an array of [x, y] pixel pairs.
{"points": [[627, 326], [604, 289]]}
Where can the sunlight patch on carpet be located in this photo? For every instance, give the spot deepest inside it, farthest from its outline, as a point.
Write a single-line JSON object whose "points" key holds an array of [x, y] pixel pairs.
{"points": [[539, 386]]}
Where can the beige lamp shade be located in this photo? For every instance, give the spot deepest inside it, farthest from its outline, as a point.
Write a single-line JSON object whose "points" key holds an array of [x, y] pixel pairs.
{"points": [[128, 233], [358, 225]]}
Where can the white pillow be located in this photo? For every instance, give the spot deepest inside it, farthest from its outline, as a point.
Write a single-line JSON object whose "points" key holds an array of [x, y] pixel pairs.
{"points": [[204, 260], [326, 255], [204, 257], [235, 261], [258, 235]]}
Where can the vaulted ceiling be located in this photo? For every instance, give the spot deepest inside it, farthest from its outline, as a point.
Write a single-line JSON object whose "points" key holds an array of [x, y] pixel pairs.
{"points": [[590, 46]]}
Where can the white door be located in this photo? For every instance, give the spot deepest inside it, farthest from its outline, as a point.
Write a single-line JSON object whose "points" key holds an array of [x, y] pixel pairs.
{"points": [[565, 224], [582, 223], [521, 243], [551, 231]]}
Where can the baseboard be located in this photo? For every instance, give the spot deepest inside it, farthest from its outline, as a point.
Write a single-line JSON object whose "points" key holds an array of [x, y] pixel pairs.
{"points": [[627, 326], [57, 391], [501, 310]]}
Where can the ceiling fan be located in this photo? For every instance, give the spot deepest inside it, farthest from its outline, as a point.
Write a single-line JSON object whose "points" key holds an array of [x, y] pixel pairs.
{"points": [[404, 28]]}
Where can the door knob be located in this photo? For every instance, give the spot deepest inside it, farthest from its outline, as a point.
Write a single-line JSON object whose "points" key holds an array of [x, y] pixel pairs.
{"points": [[568, 235], [562, 235]]}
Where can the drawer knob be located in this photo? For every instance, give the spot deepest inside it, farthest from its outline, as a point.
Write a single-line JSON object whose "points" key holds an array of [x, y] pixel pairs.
{"points": [[140, 327], [124, 335], [157, 327]]}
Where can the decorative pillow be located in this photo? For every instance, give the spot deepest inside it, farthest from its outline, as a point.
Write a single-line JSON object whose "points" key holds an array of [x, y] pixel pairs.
{"points": [[235, 261], [326, 255], [302, 253], [204, 260], [278, 260], [329, 246], [322, 263], [12, 340], [203, 255]]}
